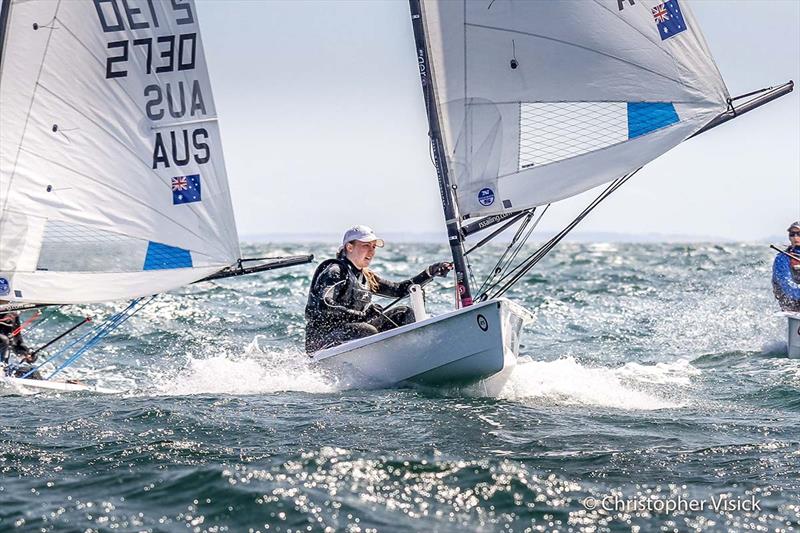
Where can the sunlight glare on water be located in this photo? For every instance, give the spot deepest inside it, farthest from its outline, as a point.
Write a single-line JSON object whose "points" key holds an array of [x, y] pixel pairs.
{"points": [[650, 373]]}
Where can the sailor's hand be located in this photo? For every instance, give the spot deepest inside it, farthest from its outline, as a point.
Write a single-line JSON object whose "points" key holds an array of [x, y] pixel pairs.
{"points": [[30, 357], [373, 311], [440, 269]]}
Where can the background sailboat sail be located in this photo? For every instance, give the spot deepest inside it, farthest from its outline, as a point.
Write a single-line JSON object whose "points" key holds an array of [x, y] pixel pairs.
{"points": [[112, 177], [540, 101]]}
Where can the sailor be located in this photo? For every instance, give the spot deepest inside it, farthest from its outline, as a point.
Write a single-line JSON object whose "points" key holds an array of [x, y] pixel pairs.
{"points": [[786, 272], [340, 305], [11, 344]]}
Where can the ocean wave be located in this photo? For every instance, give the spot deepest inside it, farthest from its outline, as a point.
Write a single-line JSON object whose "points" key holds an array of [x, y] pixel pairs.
{"points": [[631, 386], [255, 371]]}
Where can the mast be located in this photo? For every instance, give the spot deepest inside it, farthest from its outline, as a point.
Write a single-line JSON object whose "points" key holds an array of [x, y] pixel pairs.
{"points": [[5, 9], [454, 235]]}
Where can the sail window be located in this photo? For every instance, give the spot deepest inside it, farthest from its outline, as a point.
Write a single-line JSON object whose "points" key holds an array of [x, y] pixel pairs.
{"points": [[645, 117], [555, 131], [69, 247], [551, 132], [161, 257]]}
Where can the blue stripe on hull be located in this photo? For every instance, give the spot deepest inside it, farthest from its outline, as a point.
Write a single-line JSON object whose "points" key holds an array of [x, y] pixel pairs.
{"points": [[161, 257], [646, 117]]}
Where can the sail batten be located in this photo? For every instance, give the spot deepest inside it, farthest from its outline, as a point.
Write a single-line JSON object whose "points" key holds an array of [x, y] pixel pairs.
{"points": [[112, 176], [540, 101]]}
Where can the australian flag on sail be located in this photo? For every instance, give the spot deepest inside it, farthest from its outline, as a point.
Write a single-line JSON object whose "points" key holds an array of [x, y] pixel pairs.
{"points": [[185, 189], [669, 19]]}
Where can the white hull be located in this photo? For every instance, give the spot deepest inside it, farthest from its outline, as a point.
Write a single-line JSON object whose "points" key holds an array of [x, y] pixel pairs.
{"points": [[476, 345], [61, 386], [793, 339]]}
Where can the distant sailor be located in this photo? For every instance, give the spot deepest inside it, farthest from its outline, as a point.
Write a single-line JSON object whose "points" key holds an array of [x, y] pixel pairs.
{"points": [[786, 272], [340, 305], [15, 356]]}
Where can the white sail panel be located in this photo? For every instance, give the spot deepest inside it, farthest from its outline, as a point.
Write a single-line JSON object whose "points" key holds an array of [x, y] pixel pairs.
{"points": [[540, 101], [111, 165]]}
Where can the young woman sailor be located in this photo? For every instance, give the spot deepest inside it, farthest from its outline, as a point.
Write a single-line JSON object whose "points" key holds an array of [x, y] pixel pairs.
{"points": [[340, 305]]}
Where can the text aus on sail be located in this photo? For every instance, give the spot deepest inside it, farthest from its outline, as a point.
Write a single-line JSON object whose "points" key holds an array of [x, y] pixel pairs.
{"points": [[174, 52]]}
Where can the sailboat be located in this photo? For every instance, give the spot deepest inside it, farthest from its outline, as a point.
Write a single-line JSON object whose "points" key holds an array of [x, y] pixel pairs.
{"points": [[112, 176], [529, 103]]}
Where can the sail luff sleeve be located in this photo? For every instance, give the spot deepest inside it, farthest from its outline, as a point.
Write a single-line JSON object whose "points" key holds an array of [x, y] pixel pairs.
{"points": [[451, 215]]}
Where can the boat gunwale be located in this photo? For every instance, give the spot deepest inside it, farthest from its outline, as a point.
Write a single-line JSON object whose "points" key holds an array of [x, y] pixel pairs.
{"points": [[356, 344]]}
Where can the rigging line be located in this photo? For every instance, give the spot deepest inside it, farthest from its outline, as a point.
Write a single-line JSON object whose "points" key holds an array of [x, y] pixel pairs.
{"points": [[61, 335], [544, 250], [502, 263], [759, 91], [116, 321], [25, 324], [27, 114], [575, 45], [246, 259], [61, 351], [518, 271], [522, 243], [516, 218], [120, 192], [66, 348], [512, 272], [496, 268]]}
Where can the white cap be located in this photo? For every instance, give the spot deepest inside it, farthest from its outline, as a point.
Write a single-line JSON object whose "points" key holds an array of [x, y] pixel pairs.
{"points": [[794, 225], [361, 233]]}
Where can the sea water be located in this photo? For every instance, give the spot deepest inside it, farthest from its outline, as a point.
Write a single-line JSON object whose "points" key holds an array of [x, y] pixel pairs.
{"points": [[652, 393]]}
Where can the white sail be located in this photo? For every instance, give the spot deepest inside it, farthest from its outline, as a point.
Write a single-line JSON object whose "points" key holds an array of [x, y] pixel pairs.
{"points": [[542, 100], [112, 178]]}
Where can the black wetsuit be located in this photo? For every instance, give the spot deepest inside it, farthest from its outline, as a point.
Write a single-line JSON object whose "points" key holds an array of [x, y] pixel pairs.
{"points": [[9, 322], [340, 305]]}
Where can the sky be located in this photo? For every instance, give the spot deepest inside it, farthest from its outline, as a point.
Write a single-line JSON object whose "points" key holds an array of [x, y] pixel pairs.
{"points": [[323, 126]]}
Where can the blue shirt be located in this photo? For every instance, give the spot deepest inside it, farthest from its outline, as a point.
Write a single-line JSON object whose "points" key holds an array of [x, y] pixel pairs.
{"points": [[782, 279]]}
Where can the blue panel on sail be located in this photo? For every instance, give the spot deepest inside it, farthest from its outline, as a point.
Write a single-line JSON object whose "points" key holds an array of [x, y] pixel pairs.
{"points": [[644, 117], [160, 256]]}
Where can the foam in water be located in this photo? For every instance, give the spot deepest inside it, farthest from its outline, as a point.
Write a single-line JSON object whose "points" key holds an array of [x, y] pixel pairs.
{"points": [[631, 386], [256, 372], [775, 347]]}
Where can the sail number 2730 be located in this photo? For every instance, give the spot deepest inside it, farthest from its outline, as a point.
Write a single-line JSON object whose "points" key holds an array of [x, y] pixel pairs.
{"points": [[164, 53], [171, 53]]}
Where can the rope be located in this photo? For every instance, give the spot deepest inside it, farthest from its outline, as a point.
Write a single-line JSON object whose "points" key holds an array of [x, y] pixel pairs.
{"points": [[515, 274], [92, 338], [503, 263], [25, 324]]}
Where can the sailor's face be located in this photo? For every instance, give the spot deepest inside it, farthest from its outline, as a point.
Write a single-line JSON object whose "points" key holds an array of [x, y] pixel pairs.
{"points": [[794, 236], [361, 253]]}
